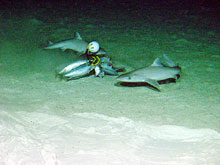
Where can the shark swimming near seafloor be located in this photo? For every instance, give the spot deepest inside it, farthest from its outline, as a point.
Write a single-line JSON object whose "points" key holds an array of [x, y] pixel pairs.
{"points": [[153, 73], [76, 44]]}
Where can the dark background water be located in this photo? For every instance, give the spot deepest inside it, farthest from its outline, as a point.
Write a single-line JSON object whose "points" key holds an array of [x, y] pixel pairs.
{"points": [[207, 7], [203, 13]]}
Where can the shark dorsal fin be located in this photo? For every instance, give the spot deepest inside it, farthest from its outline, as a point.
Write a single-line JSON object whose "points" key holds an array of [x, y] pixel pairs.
{"points": [[50, 43], [157, 62], [77, 36]]}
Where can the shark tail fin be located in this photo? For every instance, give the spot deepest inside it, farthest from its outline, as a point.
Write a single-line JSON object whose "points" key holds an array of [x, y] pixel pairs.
{"points": [[77, 36]]}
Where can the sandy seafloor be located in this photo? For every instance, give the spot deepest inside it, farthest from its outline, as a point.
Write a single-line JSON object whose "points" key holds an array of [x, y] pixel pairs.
{"points": [[94, 120]]}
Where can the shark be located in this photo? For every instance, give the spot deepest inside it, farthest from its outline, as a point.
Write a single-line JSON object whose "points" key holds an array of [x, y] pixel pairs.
{"points": [[153, 74], [76, 44]]}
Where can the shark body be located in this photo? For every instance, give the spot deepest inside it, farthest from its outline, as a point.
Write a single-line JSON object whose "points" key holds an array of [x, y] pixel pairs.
{"points": [[77, 44], [153, 73]]}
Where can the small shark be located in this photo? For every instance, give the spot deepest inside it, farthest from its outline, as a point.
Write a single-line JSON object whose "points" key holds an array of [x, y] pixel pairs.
{"points": [[153, 73], [77, 44]]}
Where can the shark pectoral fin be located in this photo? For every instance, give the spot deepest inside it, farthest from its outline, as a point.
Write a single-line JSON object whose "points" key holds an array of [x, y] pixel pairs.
{"points": [[153, 83]]}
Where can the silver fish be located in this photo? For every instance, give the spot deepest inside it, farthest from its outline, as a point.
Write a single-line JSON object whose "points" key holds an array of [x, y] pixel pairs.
{"points": [[79, 72], [72, 66], [153, 73]]}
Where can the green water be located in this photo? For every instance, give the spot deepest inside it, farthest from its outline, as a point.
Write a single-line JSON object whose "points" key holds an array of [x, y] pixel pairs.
{"points": [[132, 38]]}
